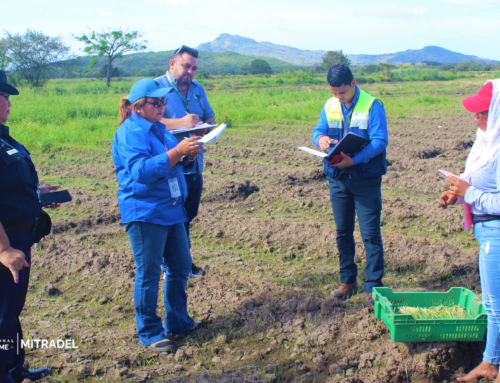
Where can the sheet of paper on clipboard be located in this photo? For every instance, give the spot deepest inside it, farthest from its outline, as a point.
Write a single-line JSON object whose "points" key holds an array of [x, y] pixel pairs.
{"points": [[446, 173], [213, 135], [312, 151], [186, 130]]}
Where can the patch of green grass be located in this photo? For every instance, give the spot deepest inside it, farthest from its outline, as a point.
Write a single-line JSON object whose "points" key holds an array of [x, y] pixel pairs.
{"points": [[83, 112]]}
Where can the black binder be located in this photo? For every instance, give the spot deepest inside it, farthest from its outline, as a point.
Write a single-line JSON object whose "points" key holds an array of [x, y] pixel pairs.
{"points": [[350, 144]]}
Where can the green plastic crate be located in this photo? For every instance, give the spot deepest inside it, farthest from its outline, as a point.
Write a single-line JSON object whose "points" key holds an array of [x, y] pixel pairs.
{"points": [[405, 328]]}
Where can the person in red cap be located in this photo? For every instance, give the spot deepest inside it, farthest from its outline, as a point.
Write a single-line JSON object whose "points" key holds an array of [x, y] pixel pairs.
{"points": [[479, 187]]}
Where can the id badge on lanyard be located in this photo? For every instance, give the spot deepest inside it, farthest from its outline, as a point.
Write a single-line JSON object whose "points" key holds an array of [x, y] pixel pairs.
{"points": [[175, 190], [345, 123]]}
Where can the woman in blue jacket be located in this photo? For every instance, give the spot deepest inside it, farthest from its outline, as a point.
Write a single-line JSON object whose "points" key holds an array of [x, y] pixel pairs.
{"points": [[479, 186], [151, 199]]}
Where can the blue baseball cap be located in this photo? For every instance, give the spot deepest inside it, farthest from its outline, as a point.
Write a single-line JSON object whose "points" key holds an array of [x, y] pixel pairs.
{"points": [[147, 87]]}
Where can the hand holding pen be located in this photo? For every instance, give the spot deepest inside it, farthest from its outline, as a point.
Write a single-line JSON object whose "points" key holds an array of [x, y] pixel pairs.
{"points": [[324, 142], [189, 120]]}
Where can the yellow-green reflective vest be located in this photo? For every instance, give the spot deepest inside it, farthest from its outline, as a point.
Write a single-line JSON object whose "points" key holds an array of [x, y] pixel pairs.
{"points": [[360, 114], [360, 121]]}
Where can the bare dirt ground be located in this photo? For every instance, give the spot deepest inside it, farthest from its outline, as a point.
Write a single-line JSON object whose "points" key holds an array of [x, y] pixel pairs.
{"points": [[266, 236]]}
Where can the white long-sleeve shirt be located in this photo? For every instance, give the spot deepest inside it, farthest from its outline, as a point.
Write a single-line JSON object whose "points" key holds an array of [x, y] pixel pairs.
{"points": [[484, 194]]}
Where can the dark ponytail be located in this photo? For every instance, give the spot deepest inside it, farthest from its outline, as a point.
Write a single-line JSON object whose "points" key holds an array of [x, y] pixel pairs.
{"points": [[125, 109]]}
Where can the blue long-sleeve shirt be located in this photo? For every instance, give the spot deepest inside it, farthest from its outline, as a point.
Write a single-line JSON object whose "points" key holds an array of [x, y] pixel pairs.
{"points": [[142, 170], [196, 102], [484, 194], [377, 131]]}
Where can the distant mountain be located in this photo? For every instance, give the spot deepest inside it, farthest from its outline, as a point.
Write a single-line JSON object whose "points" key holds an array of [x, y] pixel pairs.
{"points": [[430, 53], [249, 47], [152, 64]]}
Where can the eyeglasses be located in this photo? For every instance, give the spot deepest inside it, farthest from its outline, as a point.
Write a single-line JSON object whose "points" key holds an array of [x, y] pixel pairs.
{"points": [[5, 95], [158, 102], [185, 49]]}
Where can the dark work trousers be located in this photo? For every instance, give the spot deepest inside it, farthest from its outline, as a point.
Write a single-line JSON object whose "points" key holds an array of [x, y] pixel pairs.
{"points": [[194, 184], [364, 197], [12, 298]]}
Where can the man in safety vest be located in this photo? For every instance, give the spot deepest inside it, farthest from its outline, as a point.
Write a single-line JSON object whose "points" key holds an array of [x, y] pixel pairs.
{"points": [[355, 182]]}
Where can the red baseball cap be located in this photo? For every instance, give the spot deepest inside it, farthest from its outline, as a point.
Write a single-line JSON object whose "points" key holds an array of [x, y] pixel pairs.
{"points": [[481, 101]]}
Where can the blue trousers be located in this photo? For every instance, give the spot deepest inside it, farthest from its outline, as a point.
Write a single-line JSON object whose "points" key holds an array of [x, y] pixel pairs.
{"points": [[194, 184], [364, 197], [153, 244], [488, 236], [12, 299]]}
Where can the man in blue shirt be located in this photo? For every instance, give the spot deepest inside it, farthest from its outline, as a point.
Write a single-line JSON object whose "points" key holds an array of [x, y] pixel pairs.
{"points": [[355, 183], [187, 107]]}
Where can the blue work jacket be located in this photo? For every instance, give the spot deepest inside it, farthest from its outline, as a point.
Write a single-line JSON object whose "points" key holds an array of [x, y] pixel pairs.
{"points": [[142, 170], [196, 102]]}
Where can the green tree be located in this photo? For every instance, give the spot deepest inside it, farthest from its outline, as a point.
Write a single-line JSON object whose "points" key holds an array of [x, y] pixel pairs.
{"points": [[386, 70], [464, 65], [432, 63], [4, 58], [33, 55], [111, 45], [479, 65], [371, 68], [258, 66], [315, 69], [334, 57], [103, 72]]}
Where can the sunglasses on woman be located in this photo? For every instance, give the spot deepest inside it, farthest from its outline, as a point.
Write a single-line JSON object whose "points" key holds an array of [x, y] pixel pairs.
{"points": [[158, 102], [5, 95]]}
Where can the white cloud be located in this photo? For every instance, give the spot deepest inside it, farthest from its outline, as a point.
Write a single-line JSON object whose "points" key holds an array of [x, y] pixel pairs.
{"points": [[106, 14]]}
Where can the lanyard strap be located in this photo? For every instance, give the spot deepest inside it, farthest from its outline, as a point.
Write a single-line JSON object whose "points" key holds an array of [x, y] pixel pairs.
{"points": [[178, 91], [346, 122]]}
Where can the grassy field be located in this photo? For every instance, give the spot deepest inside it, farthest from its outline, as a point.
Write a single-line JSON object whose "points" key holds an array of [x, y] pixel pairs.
{"points": [[265, 233], [83, 112]]}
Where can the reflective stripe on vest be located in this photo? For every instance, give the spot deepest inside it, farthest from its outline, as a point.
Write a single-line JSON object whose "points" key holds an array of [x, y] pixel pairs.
{"points": [[360, 114]]}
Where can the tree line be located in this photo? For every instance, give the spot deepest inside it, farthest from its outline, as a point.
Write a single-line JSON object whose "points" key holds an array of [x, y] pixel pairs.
{"points": [[34, 57]]}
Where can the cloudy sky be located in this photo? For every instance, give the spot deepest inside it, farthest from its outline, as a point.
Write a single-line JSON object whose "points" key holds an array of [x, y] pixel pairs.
{"points": [[370, 27]]}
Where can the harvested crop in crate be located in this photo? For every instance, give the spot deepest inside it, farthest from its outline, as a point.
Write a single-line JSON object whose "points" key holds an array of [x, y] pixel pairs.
{"points": [[437, 312]]}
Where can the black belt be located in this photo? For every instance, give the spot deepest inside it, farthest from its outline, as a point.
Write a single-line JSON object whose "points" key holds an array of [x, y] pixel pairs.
{"points": [[19, 228], [484, 218]]}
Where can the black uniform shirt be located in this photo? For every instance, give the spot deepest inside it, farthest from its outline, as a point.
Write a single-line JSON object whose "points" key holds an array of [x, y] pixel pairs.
{"points": [[19, 203]]}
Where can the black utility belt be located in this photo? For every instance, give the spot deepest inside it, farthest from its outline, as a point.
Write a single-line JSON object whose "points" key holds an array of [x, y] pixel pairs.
{"points": [[19, 228]]}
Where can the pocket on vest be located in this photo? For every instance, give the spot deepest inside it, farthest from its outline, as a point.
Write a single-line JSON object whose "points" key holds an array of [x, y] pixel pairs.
{"points": [[376, 167]]}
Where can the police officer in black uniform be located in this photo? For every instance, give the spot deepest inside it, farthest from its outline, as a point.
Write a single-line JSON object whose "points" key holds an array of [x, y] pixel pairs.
{"points": [[19, 210]]}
